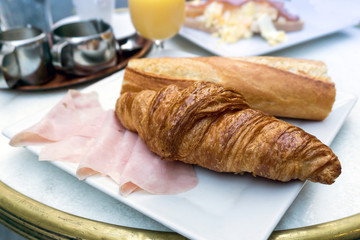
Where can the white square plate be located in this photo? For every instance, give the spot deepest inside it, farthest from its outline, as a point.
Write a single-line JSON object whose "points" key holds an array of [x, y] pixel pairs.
{"points": [[222, 206], [320, 18]]}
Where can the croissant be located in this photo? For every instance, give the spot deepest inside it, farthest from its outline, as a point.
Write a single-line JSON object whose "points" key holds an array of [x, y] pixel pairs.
{"points": [[211, 126]]}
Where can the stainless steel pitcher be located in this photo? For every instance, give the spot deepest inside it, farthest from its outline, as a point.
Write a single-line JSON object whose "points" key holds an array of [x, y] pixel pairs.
{"points": [[83, 47], [25, 58]]}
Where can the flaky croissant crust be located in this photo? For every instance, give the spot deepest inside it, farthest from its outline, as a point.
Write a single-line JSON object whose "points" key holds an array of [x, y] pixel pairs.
{"points": [[214, 127]]}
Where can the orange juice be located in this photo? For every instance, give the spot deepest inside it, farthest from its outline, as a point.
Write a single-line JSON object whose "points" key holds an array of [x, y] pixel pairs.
{"points": [[157, 19]]}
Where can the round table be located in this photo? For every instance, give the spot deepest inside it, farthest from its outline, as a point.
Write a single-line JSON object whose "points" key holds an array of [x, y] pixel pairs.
{"points": [[40, 201]]}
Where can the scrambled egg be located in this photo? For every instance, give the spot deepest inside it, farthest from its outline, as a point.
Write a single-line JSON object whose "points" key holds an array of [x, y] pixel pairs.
{"points": [[234, 24]]}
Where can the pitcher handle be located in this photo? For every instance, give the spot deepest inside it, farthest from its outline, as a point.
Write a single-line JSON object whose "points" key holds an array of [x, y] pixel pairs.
{"points": [[57, 54], [6, 49]]}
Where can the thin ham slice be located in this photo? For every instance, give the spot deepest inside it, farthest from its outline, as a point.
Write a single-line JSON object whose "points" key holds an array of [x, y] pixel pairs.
{"points": [[76, 147], [122, 155], [159, 176], [104, 152], [78, 130], [125, 150], [66, 118], [128, 188]]}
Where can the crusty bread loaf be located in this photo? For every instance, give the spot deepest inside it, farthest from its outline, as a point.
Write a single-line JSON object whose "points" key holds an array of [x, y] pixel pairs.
{"points": [[284, 87]]}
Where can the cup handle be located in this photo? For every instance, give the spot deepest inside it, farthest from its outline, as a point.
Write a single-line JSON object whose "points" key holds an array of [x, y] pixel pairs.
{"points": [[57, 54], [2, 77], [6, 49]]}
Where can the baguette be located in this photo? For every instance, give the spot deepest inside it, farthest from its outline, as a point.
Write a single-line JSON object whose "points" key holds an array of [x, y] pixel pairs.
{"points": [[284, 87], [214, 127]]}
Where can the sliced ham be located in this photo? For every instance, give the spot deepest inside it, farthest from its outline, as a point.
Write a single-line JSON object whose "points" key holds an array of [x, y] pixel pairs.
{"points": [[122, 155], [128, 188], [104, 152], [65, 119], [78, 130], [125, 150], [148, 171], [76, 147]]}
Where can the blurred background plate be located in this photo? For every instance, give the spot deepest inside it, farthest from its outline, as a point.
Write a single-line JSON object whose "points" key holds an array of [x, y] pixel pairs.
{"points": [[320, 18]]}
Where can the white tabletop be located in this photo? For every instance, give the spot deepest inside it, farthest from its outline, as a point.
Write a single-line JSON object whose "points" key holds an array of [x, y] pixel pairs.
{"points": [[316, 203]]}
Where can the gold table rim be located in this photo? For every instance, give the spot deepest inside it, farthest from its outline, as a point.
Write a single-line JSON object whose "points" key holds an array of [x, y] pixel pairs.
{"points": [[34, 220]]}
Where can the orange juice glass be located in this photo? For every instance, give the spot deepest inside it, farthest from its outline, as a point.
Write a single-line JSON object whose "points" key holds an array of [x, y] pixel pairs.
{"points": [[157, 19]]}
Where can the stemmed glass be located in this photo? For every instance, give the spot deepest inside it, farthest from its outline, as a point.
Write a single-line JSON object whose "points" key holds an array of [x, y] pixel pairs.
{"points": [[157, 20]]}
